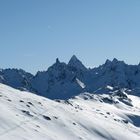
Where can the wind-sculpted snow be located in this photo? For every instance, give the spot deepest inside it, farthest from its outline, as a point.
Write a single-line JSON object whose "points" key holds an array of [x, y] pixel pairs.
{"points": [[26, 116]]}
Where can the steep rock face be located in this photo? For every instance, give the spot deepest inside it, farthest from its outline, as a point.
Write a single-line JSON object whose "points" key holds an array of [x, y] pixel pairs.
{"points": [[111, 73], [62, 81], [59, 81], [16, 78], [117, 74], [66, 80], [76, 65]]}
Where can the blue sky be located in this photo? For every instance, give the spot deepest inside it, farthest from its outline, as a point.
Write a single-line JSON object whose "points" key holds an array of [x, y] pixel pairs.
{"points": [[34, 32]]}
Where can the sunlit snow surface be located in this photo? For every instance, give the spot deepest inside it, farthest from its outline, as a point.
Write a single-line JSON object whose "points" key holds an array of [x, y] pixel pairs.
{"points": [[25, 116]]}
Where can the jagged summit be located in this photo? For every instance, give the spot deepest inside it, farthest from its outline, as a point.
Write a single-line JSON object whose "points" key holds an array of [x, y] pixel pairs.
{"points": [[107, 62], [63, 80], [114, 61], [76, 63], [74, 58], [57, 60]]}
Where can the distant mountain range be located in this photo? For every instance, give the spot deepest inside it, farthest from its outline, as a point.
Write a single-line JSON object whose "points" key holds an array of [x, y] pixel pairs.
{"points": [[62, 81]]}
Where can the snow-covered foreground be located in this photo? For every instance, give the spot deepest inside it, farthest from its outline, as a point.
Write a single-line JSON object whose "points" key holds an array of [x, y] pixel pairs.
{"points": [[25, 116]]}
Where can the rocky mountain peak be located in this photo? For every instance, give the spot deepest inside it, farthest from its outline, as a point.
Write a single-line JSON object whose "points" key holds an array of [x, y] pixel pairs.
{"points": [[62, 80], [57, 61], [76, 63]]}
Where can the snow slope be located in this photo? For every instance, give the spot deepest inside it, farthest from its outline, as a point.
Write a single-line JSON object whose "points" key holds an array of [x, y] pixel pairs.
{"points": [[26, 116]]}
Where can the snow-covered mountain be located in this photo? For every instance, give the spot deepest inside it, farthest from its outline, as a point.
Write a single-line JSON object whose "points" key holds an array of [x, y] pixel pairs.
{"points": [[117, 73], [62, 81], [16, 78], [102, 103], [26, 116], [66, 80]]}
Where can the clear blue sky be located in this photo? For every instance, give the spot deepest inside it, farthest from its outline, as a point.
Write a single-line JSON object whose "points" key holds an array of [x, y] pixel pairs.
{"points": [[34, 32]]}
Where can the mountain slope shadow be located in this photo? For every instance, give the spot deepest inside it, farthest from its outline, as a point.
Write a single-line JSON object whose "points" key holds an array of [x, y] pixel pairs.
{"points": [[135, 120]]}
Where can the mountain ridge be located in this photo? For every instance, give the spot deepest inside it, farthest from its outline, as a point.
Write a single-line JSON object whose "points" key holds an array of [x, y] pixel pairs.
{"points": [[64, 80]]}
